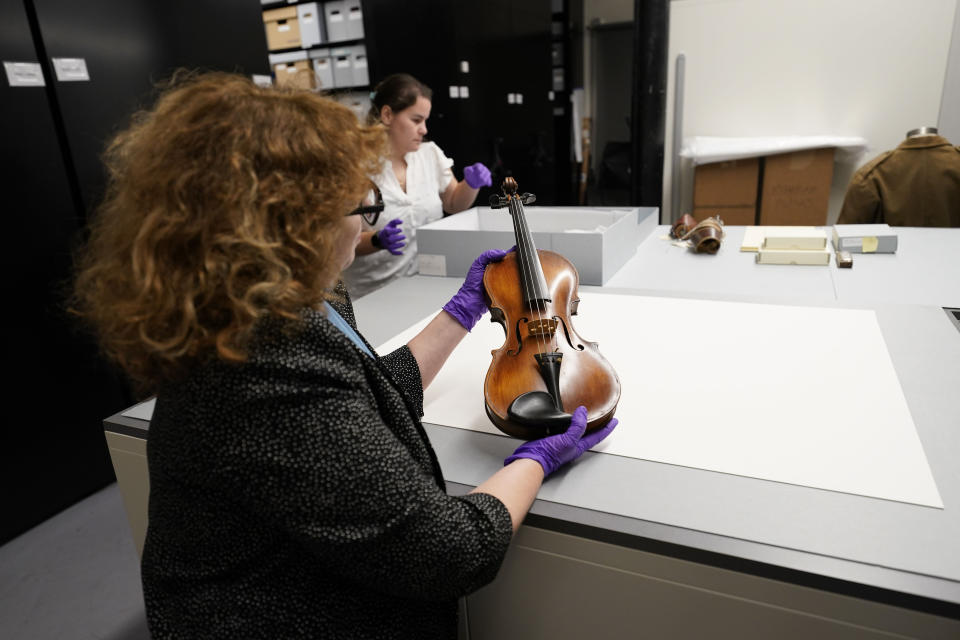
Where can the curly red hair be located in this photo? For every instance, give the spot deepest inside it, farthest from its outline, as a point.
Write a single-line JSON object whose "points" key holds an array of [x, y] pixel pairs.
{"points": [[222, 207]]}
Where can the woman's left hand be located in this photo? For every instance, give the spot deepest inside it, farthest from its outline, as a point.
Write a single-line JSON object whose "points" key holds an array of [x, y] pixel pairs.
{"points": [[552, 452], [477, 175], [468, 305]]}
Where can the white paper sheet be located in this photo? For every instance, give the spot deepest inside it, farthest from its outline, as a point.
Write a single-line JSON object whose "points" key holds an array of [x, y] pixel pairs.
{"points": [[707, 149], [802, 395]]}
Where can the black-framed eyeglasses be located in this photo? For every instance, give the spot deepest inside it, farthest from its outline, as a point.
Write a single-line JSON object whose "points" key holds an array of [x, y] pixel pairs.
{"points": [[370, 212]]}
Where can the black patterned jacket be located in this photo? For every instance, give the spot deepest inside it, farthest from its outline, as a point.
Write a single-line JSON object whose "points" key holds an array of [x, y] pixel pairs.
{"points": [[297, 496]]}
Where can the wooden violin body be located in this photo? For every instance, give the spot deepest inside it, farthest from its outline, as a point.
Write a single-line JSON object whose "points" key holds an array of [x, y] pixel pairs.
{"points": [[544, 369]]}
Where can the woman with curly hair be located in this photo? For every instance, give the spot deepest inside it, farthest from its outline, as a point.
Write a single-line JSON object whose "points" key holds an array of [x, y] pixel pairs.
{"points": [[293, 491]]}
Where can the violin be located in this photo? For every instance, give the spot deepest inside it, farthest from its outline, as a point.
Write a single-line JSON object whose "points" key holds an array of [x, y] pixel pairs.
{"points": [[544, 369]]}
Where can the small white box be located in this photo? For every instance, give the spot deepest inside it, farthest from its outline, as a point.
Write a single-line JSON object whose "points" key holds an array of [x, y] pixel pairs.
{"points": [[323, 67], [597, 240], [361, 71], [290, 56], [354, 16], [312, 29], [864, 238], [795, 237], [342, 58], [358, 101], [820, 257], [336, 20]]}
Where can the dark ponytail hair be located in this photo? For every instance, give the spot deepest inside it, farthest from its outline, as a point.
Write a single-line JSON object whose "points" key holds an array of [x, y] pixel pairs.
{"points": [[397, 91]]}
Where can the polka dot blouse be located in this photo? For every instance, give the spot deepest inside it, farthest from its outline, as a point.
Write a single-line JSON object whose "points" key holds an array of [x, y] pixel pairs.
{"points": [[297, 496]]}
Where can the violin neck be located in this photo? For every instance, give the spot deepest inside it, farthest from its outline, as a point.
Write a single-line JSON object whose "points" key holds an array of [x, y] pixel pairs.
{"points": [[532, 280]]}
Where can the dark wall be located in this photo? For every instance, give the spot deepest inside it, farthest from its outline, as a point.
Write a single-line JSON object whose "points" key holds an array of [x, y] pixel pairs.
{"points": [[648, 106], [612, 79], [57, 389], [507, 45]]}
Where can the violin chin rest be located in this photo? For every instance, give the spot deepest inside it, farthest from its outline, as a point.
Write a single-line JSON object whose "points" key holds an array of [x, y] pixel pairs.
{"points": [[537, 409]]}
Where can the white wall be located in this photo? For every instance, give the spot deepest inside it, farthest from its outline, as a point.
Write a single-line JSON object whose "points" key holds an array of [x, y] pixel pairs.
{"points": [[870, 68], [949, 124]]}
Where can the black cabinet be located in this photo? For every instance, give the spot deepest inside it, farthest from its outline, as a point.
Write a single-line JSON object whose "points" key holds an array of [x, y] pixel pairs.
{"points": [[128, 46], [49, 463], [52, 178]]}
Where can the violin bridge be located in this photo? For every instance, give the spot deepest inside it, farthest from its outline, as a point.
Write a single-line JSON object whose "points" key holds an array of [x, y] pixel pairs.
{"points": [[542, 329]]}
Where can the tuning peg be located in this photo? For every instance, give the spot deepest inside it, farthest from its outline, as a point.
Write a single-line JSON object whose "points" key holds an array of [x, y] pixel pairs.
{"points": [[496, 202]]}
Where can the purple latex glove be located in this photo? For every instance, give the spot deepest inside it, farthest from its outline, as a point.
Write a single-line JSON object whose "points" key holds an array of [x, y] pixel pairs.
{"points": [[477, 175], [390, 237], [468, 305], [553, 452]]}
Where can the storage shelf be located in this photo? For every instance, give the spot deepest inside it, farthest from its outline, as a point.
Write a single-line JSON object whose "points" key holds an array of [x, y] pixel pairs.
{"points": [[323, 45], [340, 59]]}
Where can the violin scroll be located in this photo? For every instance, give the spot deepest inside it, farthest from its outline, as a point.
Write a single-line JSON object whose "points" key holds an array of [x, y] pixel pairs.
{"points": [[509, 188]]}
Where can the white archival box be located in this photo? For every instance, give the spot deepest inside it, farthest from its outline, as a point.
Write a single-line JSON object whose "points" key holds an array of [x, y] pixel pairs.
{"points": [[597, 240]]}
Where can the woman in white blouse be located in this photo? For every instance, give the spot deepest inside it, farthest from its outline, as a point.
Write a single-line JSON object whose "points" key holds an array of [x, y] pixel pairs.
{"points": [[416, 183]]}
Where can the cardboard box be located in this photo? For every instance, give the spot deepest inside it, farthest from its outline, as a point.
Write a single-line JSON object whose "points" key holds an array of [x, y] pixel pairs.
{"points": [[726, 184], [745, 216], [783, 189], [312, 26], [796, 187], [597, 240], [282, 27], [728, 190], [297, 74], [864, 238]]}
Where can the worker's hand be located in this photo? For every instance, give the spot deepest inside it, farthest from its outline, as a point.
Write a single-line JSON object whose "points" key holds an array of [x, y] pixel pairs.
{"points": [[553, 452], [391, 237], [468, 305], [477, 175]]}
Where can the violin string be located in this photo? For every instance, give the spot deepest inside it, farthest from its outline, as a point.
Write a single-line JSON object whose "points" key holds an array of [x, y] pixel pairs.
{"points": [[529, 256], [522, 250]]}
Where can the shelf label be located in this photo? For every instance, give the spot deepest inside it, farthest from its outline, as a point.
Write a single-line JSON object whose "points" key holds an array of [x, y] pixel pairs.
{"points": [[24, 74], [71, 69]]}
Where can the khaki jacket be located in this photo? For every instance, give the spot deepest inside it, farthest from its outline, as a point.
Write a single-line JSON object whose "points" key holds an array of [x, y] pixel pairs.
{"points": [[915, 185]]}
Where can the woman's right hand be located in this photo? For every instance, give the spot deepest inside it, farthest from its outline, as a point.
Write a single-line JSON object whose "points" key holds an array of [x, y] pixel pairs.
{"points": [[553, 452]]}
